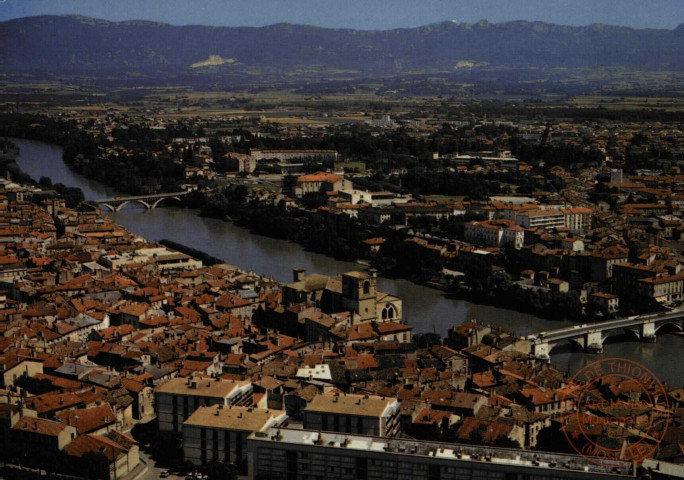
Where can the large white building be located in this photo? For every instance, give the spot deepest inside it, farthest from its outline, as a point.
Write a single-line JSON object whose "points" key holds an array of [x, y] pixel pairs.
{"points": [[496, 233], [576, 218], [283, 155], [305, 454], [164, 258], [374, 199]]}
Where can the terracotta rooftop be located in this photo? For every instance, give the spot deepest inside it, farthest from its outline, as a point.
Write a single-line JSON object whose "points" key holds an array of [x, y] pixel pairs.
{"points": [[40, 426]]}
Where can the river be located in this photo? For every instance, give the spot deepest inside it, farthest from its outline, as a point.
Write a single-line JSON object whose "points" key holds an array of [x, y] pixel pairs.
{"points": [[425, 309]]}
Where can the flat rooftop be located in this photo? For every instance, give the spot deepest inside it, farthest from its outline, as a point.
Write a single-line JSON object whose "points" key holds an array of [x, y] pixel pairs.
{"points": [[359, 405], [235, 418], [201, 387], [356, 274], [456, 452]]}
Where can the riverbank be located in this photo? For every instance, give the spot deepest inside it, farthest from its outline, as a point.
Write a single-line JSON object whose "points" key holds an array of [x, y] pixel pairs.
{"points": [[193, 252], [9, 152], [340, 238], [425, 309]]}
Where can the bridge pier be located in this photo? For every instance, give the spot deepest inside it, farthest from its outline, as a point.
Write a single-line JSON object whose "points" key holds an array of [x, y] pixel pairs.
{"points": [[593, 342], [648, 332], [590, 337], [542, 350]]}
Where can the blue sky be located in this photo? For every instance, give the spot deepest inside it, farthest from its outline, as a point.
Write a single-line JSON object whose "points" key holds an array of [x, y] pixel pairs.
{"points": [[360, 14]]}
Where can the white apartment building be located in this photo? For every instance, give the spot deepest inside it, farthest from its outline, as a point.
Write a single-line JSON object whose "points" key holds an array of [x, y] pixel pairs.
{"points": [[576, 218], [307, 455], [283, 155]]}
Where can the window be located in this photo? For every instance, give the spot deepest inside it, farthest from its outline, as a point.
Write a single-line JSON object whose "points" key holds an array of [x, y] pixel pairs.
{"points": [[203, 446], [291, 464], [175, 413], [362, 468], [366, 287], [226, 446], [434, 472], [238, 447], [214, 445]]}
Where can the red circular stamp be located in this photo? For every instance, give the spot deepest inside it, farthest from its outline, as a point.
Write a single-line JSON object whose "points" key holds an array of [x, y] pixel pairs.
{"points": [[614, 410]]}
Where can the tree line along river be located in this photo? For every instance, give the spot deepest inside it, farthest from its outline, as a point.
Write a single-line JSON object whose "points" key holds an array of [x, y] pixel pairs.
{"points": [[425, 309]]}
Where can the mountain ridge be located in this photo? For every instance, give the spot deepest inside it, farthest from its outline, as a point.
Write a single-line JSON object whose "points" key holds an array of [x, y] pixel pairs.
{"points": [[74, 44], [441, 22]]}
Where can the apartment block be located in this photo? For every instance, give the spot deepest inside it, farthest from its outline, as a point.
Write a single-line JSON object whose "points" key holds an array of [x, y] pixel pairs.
{"points": [[178, 398], [571, 218], [219, 433], [307, 455], [361, 414]]}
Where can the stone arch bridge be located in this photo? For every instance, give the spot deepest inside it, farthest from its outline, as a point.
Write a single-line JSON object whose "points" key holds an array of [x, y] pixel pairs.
{"points": [[590, 337]]}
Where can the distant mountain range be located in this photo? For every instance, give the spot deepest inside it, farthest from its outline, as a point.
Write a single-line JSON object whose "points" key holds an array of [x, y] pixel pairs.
{"points": [[64, 45]]}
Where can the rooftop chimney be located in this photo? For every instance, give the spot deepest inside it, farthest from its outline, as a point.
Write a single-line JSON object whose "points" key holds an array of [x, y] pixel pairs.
{"points": [[298, 274]]}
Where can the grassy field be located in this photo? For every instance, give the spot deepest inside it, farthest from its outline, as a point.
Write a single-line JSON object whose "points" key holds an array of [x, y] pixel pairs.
{"points": [[629, 103], [284, 106]]}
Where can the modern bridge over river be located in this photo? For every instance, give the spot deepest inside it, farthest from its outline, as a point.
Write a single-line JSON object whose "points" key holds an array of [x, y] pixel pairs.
{"points": [[148, 201], [592, 336]]}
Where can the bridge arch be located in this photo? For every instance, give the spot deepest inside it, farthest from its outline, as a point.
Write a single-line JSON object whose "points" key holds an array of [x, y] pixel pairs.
{"points": [[573, 343], [106, 205], [157, 202], [634, 332], [116, 206], [147, 201], [141, 202], [615, 332], [669, 326]]}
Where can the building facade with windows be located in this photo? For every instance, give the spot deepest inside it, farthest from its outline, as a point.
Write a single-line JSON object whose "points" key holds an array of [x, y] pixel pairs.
{"points": [[495, 233], [351, 292], [219, 433], [178, 398], [361, 414], [289, 454]]}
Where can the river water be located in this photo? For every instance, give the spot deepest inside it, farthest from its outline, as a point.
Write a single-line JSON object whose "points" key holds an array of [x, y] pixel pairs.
{"points": [[425, 309]]}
